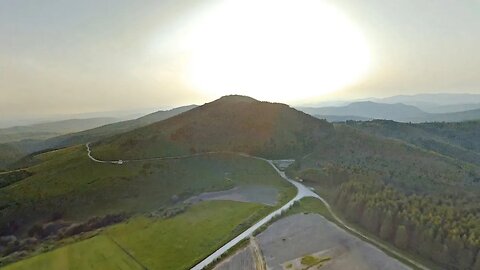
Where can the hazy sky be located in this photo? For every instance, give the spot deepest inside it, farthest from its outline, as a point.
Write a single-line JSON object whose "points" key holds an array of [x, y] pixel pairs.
{"points": [[90, 55]]}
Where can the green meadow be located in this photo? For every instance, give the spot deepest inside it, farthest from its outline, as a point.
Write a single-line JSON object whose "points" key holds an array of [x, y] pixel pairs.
{"points": [[67, 182], [152, 243], [97, 253]]}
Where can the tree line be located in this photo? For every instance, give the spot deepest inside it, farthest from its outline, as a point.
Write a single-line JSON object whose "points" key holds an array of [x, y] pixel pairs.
{"points": [[445, 229]]}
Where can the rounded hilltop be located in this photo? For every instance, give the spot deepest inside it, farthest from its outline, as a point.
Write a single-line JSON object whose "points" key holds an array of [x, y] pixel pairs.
{"points": [[235, 98]]}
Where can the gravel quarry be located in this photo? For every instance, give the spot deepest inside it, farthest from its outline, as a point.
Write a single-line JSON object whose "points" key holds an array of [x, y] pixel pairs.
{"points": [[290, 239], [252, 193]]}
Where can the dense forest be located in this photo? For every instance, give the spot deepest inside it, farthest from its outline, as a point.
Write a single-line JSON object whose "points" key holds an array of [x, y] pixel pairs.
{"points": [[457, 140], [443, 229], [421, 201]]}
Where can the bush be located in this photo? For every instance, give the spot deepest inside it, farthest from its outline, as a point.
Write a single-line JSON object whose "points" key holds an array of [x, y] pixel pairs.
{"points": [[47, 229], [12, 177], [9, 228], [92, 224]]}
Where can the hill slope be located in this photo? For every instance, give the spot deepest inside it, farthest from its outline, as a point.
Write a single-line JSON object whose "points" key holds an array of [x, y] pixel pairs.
{"points": [[8, 154], [29, 146], [457, 140], [231, 123], [50, 129], [453, 108], [453, 117], [416, 200]]}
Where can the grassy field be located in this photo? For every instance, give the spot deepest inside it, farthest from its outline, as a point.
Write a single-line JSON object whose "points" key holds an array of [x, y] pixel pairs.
{"points": [[310, 205], [180, 242], [66, 181], [97, 253], [174, 243]]}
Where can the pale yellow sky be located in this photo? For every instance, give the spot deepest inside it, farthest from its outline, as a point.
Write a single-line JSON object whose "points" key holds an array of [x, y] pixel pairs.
{"points": [[82, 56]]}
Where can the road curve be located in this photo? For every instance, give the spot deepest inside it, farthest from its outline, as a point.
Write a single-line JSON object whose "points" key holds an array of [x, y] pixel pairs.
{"points": [[89, 154], [302, 192]]}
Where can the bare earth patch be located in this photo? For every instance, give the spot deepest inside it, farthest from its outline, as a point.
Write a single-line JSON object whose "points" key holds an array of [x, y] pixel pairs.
{"points": [[252, 193], [312, 261], [292, 238]]}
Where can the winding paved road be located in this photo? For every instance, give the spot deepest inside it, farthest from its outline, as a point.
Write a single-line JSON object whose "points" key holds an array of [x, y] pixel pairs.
{"points": [[302, 192]]}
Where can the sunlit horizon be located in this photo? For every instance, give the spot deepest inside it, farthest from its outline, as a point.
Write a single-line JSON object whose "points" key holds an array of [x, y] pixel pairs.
{"points": [[64, 58], [249, 48]]}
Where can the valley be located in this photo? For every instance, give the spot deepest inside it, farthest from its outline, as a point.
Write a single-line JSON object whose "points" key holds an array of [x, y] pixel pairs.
{"points": [[236, 177]]}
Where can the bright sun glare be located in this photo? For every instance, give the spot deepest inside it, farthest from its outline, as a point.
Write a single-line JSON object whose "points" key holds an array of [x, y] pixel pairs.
{"points": [[275, 50]]}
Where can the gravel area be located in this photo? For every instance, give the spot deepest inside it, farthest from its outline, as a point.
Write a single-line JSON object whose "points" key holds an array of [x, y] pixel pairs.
{"points": [[243, 259], [258, 194], [299, 235]]}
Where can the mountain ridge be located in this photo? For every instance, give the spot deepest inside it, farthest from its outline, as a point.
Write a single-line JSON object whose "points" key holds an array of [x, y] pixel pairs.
{"points": [[51, 129], [231, 123], [397, 112]]}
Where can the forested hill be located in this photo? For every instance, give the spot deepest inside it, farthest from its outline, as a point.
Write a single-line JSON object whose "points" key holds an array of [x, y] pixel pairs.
{"points": [[420, 201], [231, 123], [459, 140]]}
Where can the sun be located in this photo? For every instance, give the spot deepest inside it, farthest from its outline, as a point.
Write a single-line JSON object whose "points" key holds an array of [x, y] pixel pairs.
{"points": [[281, 50]]}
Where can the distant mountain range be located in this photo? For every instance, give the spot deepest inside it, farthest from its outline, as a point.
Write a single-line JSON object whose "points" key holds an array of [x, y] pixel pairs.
{"points": [[437, 99], [343, 118], [453, 108], [437, 103], [101, 132], [18, 149], [51, 129], [367, 110], [430, 103], [24, 140], [7, 121]]}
